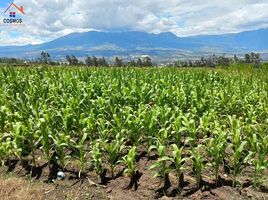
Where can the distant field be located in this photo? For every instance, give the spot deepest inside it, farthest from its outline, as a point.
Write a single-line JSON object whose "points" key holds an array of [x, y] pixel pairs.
{"points": [[173, 132]]}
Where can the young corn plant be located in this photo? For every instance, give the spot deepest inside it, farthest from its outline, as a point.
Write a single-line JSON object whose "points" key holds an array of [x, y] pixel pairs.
{"points": [[81, 153], [89, 125], [32, 136], [162, 165], [102, 129], [18, 130], [114, 150], [197, 160], [259, 158], [205, 123], [238, 146], [97, 160], [191, 129], [164, 135], [178, 129], [45, 141], [130, 161], [6, 148], [3, 117], [260, 164], [61, 142], [216, 150], [134, 124], [178, 164]]}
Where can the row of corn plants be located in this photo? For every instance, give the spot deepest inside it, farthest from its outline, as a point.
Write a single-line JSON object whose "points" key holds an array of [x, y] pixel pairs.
{"points": [[102, 118]]}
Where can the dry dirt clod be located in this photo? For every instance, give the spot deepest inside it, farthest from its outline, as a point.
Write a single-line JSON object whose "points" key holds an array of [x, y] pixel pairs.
{"points": [[109, 190], [165, 198], [91, 183]]}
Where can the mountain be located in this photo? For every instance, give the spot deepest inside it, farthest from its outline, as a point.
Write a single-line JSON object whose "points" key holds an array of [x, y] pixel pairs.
{"points": [[127, 44], [256, 40]]}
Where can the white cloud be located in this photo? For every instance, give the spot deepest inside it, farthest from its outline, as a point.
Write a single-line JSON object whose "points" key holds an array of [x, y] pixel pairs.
{"points": [[47, 20], [6, 38]]}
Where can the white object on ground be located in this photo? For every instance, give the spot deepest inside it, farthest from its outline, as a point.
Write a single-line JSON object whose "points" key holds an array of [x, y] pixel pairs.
{"points": [[60, 175]]}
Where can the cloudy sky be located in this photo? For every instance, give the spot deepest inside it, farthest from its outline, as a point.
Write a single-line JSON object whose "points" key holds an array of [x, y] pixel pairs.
{"points": [[48, 19]]}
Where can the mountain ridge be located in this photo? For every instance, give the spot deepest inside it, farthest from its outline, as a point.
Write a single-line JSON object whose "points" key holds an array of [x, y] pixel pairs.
{"points": [[136, 43]]}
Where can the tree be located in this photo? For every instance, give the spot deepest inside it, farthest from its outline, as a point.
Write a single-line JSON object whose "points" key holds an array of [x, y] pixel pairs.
{"points": [[103, 62], [118, 62], [132, 63], [210, 62], [75, 60], [247, 58], [147, 62], [44, 58], [95, 61], [224, 61], [139, 63], [202, 62], [257, 60], [253, 58], [68, 58], [236, 59], [89, 61], [72, 60]]}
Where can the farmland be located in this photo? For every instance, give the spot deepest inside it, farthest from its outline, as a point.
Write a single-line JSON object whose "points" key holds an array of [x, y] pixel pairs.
{"points": [[143, 132]]}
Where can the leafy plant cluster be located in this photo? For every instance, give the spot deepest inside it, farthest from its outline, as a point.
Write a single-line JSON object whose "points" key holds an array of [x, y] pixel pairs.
{"points": [[103, 118]]}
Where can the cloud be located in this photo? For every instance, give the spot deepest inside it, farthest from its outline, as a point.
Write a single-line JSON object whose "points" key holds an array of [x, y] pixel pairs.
{"points": [[47, 20], [7, 38]]}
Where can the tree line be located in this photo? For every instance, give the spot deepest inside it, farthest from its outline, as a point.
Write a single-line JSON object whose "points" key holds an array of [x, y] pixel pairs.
{"points": [[213, 61], [145, 61], [101, 62]]}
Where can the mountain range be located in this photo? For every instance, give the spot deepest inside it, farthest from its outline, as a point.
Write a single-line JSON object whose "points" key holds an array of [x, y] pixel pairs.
{"points": [[129, 44]]}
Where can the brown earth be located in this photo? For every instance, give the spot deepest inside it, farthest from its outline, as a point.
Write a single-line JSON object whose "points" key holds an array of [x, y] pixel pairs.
{"points": [[19, 182]]}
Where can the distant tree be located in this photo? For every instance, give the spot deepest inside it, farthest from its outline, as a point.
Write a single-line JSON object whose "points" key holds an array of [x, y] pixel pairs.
{"points": [[81, 63], [202, 62], [258, 60], [139, 63], [210, 62], [89, 61], [103, 62], [68, 59], [132, 63], [147, 62], [72, 60], [247, 58], [236, 59], [224, 61], [13, 61], [191, 64], [118, 62], [95, 62], [253, 58], [45, 58]]}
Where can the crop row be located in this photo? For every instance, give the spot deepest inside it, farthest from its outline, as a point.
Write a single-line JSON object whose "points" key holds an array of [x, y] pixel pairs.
{"points": [[102, 117]]}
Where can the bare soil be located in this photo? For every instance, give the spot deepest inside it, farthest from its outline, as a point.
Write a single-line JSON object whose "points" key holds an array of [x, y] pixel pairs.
{"points": [[21, 181]]}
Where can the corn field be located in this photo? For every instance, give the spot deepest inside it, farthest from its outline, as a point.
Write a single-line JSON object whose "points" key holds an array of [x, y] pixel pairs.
{"points": [[191, 120]]}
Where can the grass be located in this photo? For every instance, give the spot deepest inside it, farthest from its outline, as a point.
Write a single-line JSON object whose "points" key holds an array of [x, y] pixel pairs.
{"points": [[18, 189]]}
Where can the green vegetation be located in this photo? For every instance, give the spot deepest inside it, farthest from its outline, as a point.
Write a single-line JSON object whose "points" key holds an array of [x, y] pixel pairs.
{"points": [[190, 120]]}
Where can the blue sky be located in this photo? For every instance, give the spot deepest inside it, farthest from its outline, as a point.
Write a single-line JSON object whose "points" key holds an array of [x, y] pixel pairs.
{"points": [[4, 3], [47, 20]]}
